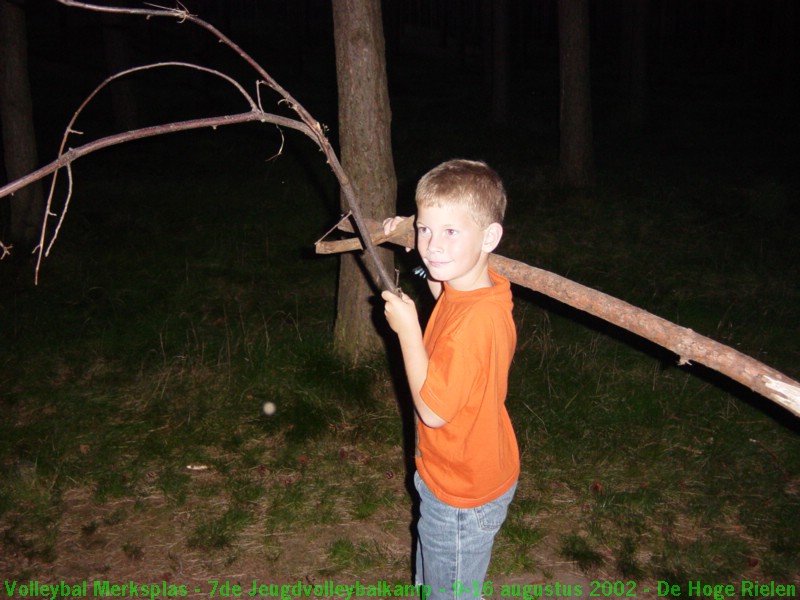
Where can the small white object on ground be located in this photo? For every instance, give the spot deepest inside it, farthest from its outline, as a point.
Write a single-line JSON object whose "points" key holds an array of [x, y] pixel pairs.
{"points": [[268, 408]]}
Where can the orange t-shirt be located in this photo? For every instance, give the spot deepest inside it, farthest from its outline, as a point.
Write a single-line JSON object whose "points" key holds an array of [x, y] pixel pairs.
{"points": [[470, 338]]}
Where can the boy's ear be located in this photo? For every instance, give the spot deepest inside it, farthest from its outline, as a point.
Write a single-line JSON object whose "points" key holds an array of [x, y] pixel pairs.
{"points": [[492, 236]]}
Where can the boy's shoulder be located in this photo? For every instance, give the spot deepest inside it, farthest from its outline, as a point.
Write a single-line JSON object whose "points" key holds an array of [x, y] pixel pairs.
{"points": [[474, 315]]}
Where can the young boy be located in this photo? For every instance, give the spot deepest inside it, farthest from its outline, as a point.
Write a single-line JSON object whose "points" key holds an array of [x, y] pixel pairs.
{"points": [[466, 456]]}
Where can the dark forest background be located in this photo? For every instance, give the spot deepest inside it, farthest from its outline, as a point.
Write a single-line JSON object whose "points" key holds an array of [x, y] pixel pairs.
{"points": [[183, 293], [728, 63]]}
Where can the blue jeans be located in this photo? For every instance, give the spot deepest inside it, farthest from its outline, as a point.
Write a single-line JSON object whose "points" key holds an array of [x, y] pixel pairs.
{"points": [[454, 545]]}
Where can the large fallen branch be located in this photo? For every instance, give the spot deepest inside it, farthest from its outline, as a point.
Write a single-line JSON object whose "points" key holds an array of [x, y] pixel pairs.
{"points": [[689, 346]]}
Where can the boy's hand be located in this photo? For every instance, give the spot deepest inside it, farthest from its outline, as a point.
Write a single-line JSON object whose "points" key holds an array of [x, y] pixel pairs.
{"points": [[402, 316], [401, 313], [389, 225]]}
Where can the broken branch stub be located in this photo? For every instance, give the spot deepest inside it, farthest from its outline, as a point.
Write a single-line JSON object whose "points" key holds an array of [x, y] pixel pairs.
{"points": [[403, 232], [688, 345]]}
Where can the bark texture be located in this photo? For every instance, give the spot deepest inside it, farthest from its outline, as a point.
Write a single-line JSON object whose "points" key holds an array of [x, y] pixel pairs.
{"points": [[366, 155]]}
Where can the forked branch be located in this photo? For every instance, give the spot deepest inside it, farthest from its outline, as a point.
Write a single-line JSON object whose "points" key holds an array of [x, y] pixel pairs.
{"points": [[306, 124], [317, 132]]}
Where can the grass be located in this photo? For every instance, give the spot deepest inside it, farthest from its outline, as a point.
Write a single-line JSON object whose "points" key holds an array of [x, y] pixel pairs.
{"points": [[175, 305]]}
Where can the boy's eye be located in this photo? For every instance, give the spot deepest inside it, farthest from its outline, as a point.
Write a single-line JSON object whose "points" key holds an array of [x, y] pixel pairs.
{"points": [[450, 232], [422, 230]]}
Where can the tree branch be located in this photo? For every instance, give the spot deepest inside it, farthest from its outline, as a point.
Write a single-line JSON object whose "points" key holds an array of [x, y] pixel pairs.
{"points": [[317, 130], [688, 345], [307, 125]]}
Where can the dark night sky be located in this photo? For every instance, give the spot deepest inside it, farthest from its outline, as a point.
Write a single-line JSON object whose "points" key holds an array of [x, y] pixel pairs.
{"points": [[734, 53], [721, 80]]}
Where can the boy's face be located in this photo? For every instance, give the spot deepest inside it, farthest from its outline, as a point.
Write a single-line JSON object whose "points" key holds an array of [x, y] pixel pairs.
{"points": [[454, 247]]}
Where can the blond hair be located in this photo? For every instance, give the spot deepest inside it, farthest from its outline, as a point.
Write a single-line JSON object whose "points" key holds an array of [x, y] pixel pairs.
{"points": [[471, 184]]}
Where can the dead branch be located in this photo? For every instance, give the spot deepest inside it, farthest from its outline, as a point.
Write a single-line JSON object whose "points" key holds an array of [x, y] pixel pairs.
{"points": [[688, 345], [403, 233], [317, 131], [43, 251], [73, 154], [306, 124], [66, 159]]}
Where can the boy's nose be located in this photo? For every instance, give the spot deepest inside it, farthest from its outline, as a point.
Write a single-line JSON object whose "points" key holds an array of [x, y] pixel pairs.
{"points": [[434, 243], [434, 246]]}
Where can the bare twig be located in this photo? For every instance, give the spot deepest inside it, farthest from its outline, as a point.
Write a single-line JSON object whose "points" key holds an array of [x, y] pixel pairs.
{"points": [[43, 251], [74, 153], [65, 158], [317, 131], [306, 125]]}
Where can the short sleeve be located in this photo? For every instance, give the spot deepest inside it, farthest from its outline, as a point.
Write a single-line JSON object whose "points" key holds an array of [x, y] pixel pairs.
{"points": [[453, 372]]}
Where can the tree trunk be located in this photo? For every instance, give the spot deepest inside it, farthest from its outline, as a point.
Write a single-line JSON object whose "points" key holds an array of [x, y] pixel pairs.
{"points": [[576, 153], [16, 117], [366, 155]]}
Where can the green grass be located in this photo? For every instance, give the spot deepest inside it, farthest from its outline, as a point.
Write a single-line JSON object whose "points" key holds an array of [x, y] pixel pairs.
{"points": [[175, 305], [576, 548]]}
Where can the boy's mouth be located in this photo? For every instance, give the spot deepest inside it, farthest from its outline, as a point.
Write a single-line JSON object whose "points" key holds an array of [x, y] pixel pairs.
{"points": [[436, 264]]}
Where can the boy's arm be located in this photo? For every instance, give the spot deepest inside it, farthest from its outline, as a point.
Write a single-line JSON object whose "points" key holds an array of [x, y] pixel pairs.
{"points": [[401, 313]]}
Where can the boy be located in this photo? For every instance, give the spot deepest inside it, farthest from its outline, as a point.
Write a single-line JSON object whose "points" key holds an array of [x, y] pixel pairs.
{"points": [[466, 456]]}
